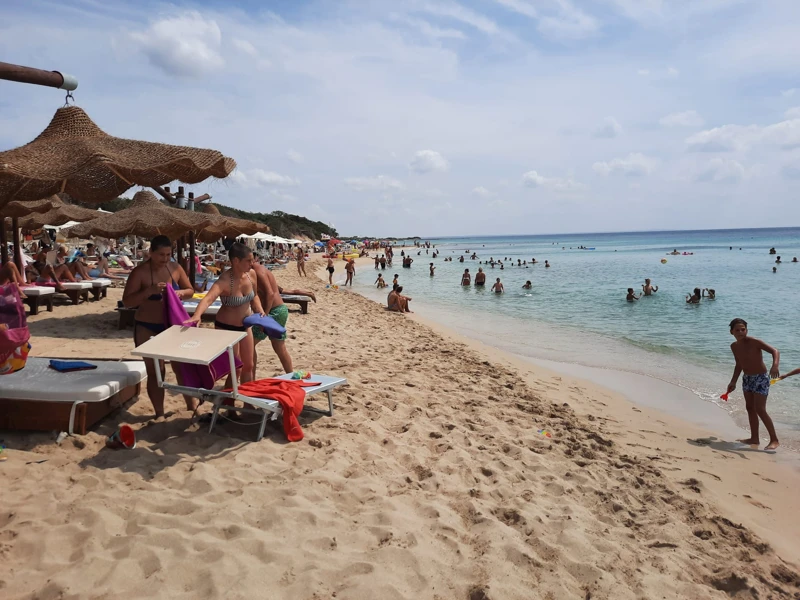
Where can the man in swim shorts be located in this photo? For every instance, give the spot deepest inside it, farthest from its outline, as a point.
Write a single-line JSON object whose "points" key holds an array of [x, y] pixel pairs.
{"points": [[747, 352], [331, 269], [269, 293], [497, 288], [480, 278]]}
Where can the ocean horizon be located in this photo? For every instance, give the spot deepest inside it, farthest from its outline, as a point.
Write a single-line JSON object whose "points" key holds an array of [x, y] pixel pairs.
{"points": [[576, 311]]}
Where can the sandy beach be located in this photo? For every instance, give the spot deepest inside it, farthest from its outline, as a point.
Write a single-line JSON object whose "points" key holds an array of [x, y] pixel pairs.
{"points": [[430, 481]]}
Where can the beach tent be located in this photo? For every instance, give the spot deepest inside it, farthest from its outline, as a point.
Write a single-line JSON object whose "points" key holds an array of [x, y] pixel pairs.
{"points": [[319, 243]]}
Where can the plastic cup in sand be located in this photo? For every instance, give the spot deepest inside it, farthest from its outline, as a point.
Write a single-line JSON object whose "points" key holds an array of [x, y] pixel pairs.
{"points": [[124, 437]]}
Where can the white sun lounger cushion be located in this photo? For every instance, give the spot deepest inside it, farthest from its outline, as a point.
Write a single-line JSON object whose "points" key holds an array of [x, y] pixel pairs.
{"points": [[99, 283], [38, 382], [38, 290], [77, 285], [191, 306]]}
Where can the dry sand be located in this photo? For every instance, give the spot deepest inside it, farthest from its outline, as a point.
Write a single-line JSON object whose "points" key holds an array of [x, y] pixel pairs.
{"points": [[430, 481]]}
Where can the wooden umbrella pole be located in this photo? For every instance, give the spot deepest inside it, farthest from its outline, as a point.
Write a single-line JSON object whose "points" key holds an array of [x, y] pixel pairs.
{"points": [[22, 74], [192, 252], [17, 244], [3, 242], [181, 244]]}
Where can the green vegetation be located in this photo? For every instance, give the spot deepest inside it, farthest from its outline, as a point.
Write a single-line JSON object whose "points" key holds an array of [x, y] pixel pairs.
{"points": [[280, 223]]}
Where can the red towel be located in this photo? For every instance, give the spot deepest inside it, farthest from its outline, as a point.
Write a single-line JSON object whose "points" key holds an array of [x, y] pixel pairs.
{"points": [[290, 394]]}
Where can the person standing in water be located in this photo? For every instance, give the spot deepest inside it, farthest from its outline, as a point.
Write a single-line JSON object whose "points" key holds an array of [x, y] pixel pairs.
{"points": [[497, 288], [480, 278], [466, 279], [647, 289], [747, 352], [432, 268], [631, 297], [350, 268]]}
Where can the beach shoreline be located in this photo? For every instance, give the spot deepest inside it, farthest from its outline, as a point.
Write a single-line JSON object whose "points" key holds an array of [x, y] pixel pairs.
{"points": [[670, 432]]}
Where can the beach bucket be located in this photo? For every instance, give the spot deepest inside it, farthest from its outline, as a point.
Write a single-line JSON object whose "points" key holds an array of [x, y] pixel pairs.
{"points": [[124, 437]]}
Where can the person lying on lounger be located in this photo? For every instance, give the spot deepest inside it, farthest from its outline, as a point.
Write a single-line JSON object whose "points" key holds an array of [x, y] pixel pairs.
{"points": [[308, 293]]}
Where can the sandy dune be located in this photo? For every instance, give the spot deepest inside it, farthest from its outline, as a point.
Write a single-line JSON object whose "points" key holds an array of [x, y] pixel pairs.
{"points": [[431, 481]]}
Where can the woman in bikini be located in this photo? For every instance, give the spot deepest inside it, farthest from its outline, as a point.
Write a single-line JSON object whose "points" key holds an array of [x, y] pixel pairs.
{"points": [[143, 291], [237, 290]]}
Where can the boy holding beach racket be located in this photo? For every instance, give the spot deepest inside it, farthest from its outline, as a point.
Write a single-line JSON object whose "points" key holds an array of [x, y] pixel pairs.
{"points": [[755, 384]]}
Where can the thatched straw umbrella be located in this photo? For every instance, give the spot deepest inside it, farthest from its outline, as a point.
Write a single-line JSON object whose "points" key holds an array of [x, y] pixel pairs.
{"points": [[228, 226], [59, 215], [74, 155]]}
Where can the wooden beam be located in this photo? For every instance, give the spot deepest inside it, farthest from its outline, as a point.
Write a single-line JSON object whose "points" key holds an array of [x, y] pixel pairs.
{"points": [[164, 194], [22, 74], [17, 244]]}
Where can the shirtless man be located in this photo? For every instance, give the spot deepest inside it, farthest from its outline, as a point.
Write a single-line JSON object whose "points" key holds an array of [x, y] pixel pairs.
{"points": [[270, 295], [480, 278], [350, 268], [497, 288], [300, 256], [647, 289], [396, 301], [747, 352], [466, 279], [331, 269]]}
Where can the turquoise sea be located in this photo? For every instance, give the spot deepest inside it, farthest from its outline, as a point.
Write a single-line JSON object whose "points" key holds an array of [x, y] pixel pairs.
{"points": [[577, 313]]}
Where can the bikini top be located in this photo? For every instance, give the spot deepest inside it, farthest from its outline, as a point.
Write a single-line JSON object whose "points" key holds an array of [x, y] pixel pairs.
{"points": [[238, 300], [157, 297]]}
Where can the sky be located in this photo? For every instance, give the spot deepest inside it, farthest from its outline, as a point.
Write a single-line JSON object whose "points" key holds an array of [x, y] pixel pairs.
{"points": [[443, 117]]}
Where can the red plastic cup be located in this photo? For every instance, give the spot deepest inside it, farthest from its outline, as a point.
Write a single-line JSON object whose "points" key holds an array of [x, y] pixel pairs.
{"points": [[124, 437]]}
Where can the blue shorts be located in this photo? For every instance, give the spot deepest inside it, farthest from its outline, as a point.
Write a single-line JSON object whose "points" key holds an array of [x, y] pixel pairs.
{"points": [[758, 384]]}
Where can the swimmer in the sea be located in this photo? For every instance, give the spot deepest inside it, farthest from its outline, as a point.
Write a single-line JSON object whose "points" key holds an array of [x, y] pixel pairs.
{"points": [[631, 297], [528, 285], [694, 298], [381, 283], [480, 278], [774, 269], [546, 264], [647, 289], [712, 294], [497, 288], [432, 269]]}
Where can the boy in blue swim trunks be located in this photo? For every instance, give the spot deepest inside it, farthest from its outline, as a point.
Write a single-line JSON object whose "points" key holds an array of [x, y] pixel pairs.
{"points": [[755, 383]]}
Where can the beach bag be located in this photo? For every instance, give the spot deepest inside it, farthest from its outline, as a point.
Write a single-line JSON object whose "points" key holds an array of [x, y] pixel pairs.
{"points": [[14, 333], [190, 375]]}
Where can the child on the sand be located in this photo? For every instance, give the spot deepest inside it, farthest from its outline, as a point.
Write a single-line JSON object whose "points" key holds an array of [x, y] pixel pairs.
{"points": [[755, 383]]}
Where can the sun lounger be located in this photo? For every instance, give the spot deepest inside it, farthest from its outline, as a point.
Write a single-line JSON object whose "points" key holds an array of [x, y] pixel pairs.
{"points": [[38, 295], [77, 291], [302, 301], [204, 347], [99, 288], [40, 398], [191, 306]]}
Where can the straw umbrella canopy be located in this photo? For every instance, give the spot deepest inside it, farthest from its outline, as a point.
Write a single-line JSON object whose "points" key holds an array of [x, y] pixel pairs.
{"points": [[145, 217], [220, 226], [74, 155], [59, 215]]}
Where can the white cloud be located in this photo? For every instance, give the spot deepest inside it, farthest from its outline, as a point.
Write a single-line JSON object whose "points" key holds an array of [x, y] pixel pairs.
{"points": [[182, 46], [281, 195], [633, 165], [245, 46], [426, 161], [789, 93], [568, 22], [464, 15], [610, 128], [738, 138], [261, 178], [687, 118], [373, 184], [722, 170], [532, 179], [295, 157], [643, 72], [429, 30], [673, 72], [482, 192], [519, 6], [793, 113]]}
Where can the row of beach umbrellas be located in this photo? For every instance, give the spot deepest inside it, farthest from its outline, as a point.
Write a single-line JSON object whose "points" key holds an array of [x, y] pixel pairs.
{"points": [[74, 156]]}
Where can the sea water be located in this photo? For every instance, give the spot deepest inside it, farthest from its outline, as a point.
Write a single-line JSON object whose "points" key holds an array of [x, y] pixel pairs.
{"points": [[576, 311]]}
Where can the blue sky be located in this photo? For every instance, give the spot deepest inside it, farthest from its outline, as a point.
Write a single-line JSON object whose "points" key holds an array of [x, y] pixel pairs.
{"points": [[444, 117]]}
